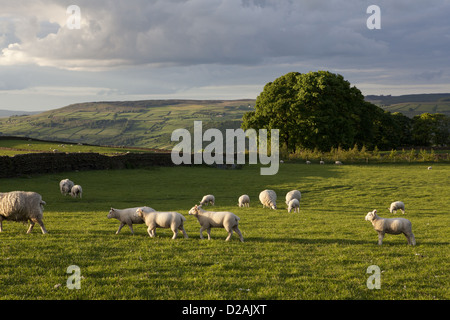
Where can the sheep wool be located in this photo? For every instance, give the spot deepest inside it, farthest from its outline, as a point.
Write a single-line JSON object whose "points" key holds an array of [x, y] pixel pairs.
{"points": [[268, 198], [65, 186], [294, 204], [244, 201], [397, 205], [208, 199], [127, 216], [219, 219], [391, 226], [22, 206], [76, 191], [293, 194], [162, 219]]}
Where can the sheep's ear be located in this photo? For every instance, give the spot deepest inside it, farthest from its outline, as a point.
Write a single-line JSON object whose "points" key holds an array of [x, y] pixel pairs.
{"points": [[374, 211]]}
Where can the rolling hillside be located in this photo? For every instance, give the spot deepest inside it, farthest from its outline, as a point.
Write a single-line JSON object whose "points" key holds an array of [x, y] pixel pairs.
{"points": [[150, 123], [132, 123]]}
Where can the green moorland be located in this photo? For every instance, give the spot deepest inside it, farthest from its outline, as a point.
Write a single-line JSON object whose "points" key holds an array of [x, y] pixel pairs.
{"points": [[323, 252], [148, 123]]}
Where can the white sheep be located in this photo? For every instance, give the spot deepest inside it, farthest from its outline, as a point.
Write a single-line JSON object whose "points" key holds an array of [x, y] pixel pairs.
{"points": [[322, 162], [22, 206], [391, 226], [293, 194], [308, 162], [397, 205], [338, 162], [244, 201], [163, 219], [294, 204], [208, 199], [268, 198], [76, 191], [127, 216], [221, 219], [65, 186]]}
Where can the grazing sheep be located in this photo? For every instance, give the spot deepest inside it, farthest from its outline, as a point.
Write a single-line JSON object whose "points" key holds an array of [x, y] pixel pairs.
{"points": [[294, 204], [429, 168], [293, 194], [308, 162], [22, 206], [244, 201], [391, 226], [338, 162], [268, 199], [209, 198], [209, 219], [397, 205], [322, 162], [76, 191], [127, 216], [65, 186], [159, 219]]}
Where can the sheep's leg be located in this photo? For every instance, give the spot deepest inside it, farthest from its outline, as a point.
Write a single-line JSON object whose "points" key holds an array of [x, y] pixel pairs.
{"points": [[41, 224], [151, 232], [120, 227], [239, 233], [230, 233], [131, 228], [201, 232], [31, 226], [175, 232], [380, 238], [181, 227], [1, 224], [208, 231]]}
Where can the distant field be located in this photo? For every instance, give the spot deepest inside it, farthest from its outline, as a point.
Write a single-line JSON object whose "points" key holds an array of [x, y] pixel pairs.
{"points": [[135, 123], [321, 253]]}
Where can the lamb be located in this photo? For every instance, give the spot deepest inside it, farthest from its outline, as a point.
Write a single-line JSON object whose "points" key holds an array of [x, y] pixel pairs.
{"points": [[244, 201], [223, 219], [76, 191], [127, 216], [268, 199], [293, 194], [65, 186], [391, 226], [294, 204], [22, 206], [397, 205], [160, 219], [209, 198]]}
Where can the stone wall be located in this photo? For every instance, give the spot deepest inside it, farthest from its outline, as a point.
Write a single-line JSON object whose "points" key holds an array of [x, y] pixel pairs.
{"points": [[37, 163]]}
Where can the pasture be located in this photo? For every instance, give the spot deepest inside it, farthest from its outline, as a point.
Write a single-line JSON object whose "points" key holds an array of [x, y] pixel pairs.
{"points": [[321, 253]]}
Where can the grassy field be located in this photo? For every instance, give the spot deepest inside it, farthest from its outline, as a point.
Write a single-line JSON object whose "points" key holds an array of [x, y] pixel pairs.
{"points": [[322, 252]]}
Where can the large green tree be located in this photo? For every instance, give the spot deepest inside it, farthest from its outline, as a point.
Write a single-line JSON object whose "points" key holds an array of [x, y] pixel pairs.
{"points": [[314, 110]]}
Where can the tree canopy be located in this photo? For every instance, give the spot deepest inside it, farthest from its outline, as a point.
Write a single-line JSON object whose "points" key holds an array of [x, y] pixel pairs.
{"points": [[322, 110]]}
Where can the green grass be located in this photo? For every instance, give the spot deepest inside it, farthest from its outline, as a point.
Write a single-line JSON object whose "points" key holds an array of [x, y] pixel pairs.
{"points": [[321, 253]]}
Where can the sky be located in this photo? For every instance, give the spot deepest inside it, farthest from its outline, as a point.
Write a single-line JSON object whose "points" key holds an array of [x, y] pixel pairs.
{"points": [[53, 54]]}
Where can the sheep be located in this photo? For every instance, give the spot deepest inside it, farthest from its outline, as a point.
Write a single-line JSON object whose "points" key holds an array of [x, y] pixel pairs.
{"points": [[294, 204], [429, 168], [159, 219], [338, 162], [22, 206], [322, 162], [244, 201], [76, 191], [397, 205], [268, 199], [391, 226], [308, 162], [209, 198], [209, 219], [65, 186], [293, 194], [127, 216]]}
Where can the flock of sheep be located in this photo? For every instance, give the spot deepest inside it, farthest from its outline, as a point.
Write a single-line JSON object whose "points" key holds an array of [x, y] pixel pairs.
{"points": [[29, 206]]}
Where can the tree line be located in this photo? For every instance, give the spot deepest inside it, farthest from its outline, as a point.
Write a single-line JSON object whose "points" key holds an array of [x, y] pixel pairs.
{"points": [[321, 110]]}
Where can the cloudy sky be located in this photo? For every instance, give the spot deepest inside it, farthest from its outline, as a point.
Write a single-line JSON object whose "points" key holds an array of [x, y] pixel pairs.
{"points": [[213, 49]]}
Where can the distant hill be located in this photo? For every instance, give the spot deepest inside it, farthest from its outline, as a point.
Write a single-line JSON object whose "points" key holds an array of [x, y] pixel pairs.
{"points": [[150, 123], [10, 113], [413, 104], [147, 123]]}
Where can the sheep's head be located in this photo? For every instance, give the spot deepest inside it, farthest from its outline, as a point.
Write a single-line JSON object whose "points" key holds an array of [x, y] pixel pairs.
{"points": [[194, 210], [371, 215], [274, 206], [140, 212], [111, 214]]}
